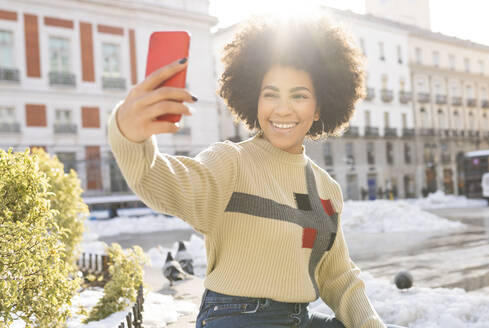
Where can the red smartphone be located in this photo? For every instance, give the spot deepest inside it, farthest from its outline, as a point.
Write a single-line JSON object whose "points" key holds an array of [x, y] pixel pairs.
{"points": [[166, 47]]}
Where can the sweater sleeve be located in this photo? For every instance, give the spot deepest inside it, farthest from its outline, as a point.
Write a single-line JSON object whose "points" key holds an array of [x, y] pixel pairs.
{"points": [[193, 189], [341, 288]]}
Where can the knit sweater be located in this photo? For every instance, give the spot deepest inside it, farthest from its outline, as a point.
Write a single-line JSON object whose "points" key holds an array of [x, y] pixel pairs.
{"points": [[271, 219]]}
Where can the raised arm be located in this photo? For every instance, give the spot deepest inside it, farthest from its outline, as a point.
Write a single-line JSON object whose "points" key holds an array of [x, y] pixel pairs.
{"points": [[194, 189]]}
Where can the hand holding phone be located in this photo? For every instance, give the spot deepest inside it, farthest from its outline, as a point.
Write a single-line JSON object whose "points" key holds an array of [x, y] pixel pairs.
{"points": [[136, 115], [164, 48]]}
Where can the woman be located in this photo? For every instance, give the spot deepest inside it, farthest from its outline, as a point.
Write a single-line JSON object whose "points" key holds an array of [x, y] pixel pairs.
{"points": [[270, 215]]}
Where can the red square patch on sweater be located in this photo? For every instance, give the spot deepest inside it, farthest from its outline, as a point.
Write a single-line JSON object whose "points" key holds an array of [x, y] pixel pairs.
{"points": [[308, 237], [328, 208]]}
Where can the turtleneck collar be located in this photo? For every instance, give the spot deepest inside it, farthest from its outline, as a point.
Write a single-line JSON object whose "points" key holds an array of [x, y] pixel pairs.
{"points": [[279, 154]]}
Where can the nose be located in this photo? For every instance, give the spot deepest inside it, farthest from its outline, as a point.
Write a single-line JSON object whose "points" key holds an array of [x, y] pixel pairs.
{"points": [[283, 107]]}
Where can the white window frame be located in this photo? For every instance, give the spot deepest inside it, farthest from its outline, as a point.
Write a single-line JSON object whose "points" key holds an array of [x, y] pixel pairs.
{"points": [[60, 68]]}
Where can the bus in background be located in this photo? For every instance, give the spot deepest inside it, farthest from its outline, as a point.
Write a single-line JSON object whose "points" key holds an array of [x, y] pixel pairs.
{"points": [[476, 164]]}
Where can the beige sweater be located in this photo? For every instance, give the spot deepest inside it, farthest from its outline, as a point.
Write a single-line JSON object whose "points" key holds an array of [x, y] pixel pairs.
{"points": [[271, 220]]}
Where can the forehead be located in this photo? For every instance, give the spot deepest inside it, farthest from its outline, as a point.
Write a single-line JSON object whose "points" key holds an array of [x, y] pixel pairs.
{"points": [[287, 77]]}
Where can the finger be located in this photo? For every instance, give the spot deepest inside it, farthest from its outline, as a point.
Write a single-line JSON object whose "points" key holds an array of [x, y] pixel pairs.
{"points": [[157, 127], [166, 93], [162, 74], [166, 107]]}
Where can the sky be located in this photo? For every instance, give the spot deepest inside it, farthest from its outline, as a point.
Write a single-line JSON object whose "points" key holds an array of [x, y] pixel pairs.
{"points": [[466, 19]]}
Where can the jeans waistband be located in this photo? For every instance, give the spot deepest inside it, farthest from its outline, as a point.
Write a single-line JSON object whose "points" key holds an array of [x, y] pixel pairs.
{"points": [[210, 296]]}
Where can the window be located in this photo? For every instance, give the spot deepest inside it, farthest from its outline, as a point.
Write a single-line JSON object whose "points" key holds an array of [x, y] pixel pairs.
{"points": [[407, 153], [419, 55], [436, 58], [111, 60], [404, 120], [6, 49], [467, 65], [381, 51], [399, 54], [481, 66], [350, 158], [367, 118], [328, 154], [370, 153], [451, 61], [68, 159], [7, 115], [386, 119], [63, 116], [59, 54], [470, 92], [389, 153]]}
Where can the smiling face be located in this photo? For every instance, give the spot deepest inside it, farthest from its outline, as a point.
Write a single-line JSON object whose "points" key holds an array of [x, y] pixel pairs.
{"points": [[287, 107]]}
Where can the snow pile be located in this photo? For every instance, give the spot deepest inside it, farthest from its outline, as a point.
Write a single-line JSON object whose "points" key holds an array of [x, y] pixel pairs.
{"points": [[126, 224], [422, 307], [158, 310], [440, 200], [389, 216]]}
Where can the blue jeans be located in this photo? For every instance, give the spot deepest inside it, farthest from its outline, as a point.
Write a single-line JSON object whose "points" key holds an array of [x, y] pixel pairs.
{"points": [[225, 311]]}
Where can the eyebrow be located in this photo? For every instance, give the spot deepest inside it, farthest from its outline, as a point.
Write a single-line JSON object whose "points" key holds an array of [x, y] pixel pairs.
{"points": [[291, 90]]}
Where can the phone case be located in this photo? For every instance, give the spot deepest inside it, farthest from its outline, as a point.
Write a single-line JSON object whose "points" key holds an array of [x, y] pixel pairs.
{"points": [[164, 48]]}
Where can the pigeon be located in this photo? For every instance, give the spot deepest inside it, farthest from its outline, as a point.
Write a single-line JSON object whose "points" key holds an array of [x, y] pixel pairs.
{"points": [[403, 280], [172, 270], [183, 257]]}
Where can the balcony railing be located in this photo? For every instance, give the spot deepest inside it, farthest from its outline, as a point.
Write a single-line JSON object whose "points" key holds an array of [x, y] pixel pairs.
{"points": [[371, 131], [370, 94], [9, 74], [116, 83], [351, 132], [427, 132], [485, 103], [471, 102], [62, 78], [423, 97], [445, 133], [65, 128], [441, 99], [472, 134], [408, 132], [457, 101], [390, 132], [386, 95], [10, 127], [185, 131], [405, 97], [486, 134]]}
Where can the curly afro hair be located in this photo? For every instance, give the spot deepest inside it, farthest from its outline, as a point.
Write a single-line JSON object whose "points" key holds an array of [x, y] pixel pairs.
{"points": [[314, 45]]}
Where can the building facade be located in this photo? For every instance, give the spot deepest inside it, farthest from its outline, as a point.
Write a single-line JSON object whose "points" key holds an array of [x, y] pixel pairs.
{"points": [[64, 65]]}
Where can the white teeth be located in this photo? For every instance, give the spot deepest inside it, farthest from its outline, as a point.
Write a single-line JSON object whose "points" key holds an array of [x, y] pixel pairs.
{"points": [[284, 126]]}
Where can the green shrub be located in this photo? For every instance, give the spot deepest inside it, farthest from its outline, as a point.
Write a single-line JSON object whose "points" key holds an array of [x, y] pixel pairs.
{"points": [[34, 279], [126, 270], [66, 199]]}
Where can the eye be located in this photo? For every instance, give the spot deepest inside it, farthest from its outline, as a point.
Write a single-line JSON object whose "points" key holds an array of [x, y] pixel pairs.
{"points": [[270, 95], [300, 96]]}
